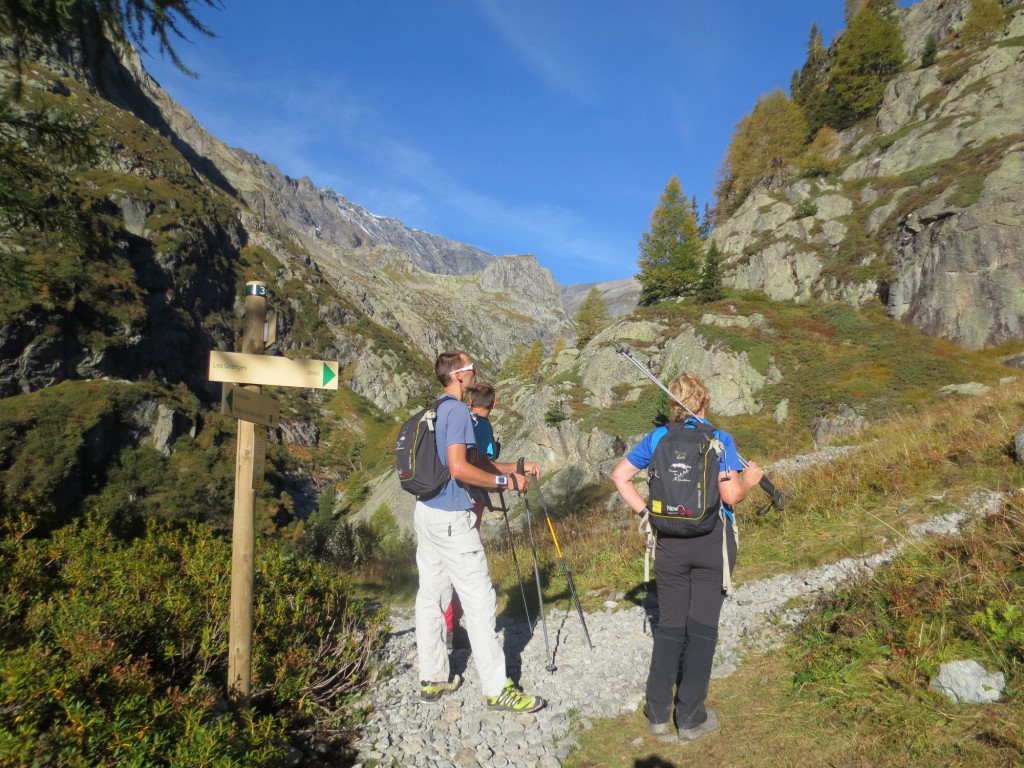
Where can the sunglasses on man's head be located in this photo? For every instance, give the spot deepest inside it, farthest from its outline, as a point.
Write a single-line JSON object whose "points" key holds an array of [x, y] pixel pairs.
{"points": [[469, 367]]}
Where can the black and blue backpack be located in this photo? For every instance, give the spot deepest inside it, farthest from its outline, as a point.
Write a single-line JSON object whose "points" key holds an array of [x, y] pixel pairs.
{"points": [[682, 477], [420, 471]]}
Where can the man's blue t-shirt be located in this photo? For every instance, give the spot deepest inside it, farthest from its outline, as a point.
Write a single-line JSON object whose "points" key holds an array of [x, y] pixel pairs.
{"points": [[454, 425]]}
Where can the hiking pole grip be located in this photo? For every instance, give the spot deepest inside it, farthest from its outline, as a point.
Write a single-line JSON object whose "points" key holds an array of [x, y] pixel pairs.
{"points": [[777, 499]]}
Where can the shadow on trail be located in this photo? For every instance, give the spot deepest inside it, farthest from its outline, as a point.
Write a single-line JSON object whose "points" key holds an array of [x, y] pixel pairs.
{"points": [[645, 594], [653, 762]]}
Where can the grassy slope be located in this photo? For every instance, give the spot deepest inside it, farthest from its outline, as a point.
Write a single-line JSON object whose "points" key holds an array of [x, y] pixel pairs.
{"points": [[852, 688]]}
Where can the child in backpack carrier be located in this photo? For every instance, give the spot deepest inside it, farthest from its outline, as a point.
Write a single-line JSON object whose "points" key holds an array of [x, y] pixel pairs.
{"points": [[481, 401], [695, 553]]}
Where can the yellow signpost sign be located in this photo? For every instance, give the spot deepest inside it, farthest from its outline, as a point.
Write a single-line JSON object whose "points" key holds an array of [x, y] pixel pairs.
{"points": [[241, 403], [242, 368]]}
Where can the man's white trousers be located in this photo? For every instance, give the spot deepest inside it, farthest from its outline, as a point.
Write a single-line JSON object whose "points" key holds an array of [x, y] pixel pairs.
{"points": [[449, 553]]}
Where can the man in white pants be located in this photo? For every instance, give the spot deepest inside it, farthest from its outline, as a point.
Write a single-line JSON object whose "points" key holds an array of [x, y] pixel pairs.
{"points": [[449, 553]]}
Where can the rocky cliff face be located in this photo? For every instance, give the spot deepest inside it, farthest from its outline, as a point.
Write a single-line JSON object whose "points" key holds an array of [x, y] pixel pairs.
{"points": [[925, 216], [433, 293]]}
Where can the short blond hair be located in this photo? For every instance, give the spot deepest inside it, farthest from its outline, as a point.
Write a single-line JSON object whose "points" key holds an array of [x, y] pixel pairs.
{"points": [[690, 390]]}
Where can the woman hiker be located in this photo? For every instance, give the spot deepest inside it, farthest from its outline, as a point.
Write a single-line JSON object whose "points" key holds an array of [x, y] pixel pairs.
{"points": [[690, 573]]}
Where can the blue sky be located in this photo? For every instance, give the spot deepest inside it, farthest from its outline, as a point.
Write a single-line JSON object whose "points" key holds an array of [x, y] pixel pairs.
{"points": [[517, 126]]}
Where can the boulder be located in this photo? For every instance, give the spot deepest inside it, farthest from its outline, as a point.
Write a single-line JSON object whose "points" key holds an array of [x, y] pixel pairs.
{"points": [[967, 682]]}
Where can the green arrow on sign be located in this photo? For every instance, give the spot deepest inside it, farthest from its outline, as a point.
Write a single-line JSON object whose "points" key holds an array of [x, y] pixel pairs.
{"points": [[230, 398], [328, 375]]}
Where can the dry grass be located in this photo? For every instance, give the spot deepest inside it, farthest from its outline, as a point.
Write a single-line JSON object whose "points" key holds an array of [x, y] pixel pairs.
{"points": [[851, 689]]}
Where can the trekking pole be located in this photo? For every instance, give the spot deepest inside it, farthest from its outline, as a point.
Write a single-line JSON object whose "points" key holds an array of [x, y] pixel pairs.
{"points": [[550, 666], [777, 500], [561, 559], [515, 559]]}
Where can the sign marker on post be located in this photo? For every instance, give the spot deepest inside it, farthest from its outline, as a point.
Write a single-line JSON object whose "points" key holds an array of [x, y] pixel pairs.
{"points": [[241, 403], [252, 368], [241, 368], [259, 458]]}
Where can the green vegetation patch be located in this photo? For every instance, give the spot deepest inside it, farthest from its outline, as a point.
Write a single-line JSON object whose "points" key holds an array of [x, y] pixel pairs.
{"points": [[115, 652]]}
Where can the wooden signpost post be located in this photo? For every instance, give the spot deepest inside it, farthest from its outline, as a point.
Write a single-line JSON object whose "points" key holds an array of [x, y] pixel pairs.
{"points": [[243, 373]]}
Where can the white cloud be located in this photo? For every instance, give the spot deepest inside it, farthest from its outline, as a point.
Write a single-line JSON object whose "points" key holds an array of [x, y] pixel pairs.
{"points": [[542, 39]]}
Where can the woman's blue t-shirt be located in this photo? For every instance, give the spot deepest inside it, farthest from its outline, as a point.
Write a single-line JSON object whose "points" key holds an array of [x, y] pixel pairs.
{"points": [[640, 456]]}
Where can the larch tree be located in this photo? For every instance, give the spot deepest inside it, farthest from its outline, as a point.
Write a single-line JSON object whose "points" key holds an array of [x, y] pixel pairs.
{"points": [[766, 140], [591, 317], [514, 362], [984, 20], [530, 368], [671, 252]]}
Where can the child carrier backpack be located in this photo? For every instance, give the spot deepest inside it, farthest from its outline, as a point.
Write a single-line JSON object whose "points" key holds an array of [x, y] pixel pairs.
{"points": [[683, 480], [420, 470]]}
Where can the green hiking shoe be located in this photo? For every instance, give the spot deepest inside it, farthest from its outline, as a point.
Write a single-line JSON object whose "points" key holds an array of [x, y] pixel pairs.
{"points": [[511, 699], [434, 691]]}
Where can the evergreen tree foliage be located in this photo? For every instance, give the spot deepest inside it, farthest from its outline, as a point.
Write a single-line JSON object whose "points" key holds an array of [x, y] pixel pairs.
{"points": [[867, 56], [39, 207], [555, 414], [707, 222], [764, 142], [985, 19], [591, 317], [931, 50], [812, 74], [710, 286], [671, 252], [85, 22]]}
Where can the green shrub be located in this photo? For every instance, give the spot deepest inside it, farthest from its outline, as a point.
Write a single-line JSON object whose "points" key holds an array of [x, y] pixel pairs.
{"points": [[333, 542], [115, 653], [387, 533], [957, 598], [555, 414], [931, 49], [805, 208]]}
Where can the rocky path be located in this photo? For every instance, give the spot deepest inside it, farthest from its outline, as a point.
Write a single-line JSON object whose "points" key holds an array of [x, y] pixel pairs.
{"points": [[607, 681]]}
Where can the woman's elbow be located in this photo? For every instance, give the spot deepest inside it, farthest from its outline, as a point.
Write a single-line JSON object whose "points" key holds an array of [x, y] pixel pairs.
{"points": [[623, 473]]}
